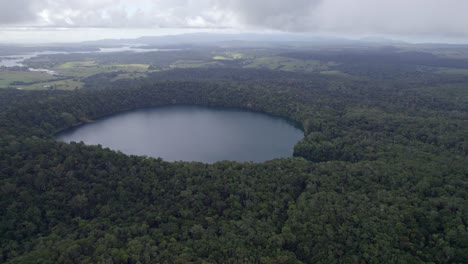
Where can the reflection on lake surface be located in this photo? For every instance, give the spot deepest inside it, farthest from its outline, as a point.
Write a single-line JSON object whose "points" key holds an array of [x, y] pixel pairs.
{"points": [[192, 133]]}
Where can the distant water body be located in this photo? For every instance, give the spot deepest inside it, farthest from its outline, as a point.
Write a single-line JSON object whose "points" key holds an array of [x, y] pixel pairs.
{"points": [[192, 133], [18, 60]]}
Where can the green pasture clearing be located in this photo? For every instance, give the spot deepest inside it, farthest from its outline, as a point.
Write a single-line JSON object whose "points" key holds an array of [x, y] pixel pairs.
{"points": [[452, 71], [443, 70], [7, 78], [70, 84], [333, 72], [219, 57], [229, 56], [332, 64], [133, 75], [89, 68], [185, 64], [75, 70], [288, 64], [75, 64]]}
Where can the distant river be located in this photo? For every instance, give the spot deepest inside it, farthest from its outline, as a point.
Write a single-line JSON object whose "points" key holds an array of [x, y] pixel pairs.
{"points": [[18, 60], [192, 133]]}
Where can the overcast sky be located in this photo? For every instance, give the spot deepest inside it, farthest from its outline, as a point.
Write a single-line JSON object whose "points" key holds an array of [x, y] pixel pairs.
{"points": [[430, 18]]}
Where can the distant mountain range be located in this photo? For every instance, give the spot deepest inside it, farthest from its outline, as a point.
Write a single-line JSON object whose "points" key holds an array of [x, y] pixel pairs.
{"points": [[233, 40], [207, 38]]}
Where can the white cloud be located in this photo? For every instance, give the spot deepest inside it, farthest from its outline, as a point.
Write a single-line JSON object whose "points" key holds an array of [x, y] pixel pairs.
{"points": [[443, 17], [18, 11], [431, 17]]}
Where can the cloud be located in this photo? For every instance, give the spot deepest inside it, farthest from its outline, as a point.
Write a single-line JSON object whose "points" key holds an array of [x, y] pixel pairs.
{"points": [[115, 13], [443, 17], [285, 15], [431, 17], [18, 11]]}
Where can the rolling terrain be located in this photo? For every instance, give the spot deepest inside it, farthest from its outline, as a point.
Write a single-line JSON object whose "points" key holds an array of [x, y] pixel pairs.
{"points": [[380, 176]]}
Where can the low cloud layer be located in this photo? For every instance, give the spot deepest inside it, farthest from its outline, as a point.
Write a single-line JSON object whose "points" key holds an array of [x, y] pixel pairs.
{"points": [[18, 11], [423, 17]]}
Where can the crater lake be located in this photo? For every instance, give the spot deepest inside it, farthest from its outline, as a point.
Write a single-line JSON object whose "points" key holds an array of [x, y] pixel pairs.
{"points": [[191, 133]]}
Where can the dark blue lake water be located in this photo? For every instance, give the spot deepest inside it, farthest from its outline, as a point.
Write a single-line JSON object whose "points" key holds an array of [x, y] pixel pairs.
{"points": [[192, 133]]}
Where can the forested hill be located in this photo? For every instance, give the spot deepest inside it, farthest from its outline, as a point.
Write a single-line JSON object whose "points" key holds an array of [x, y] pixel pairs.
{"points": [[380, 177]]}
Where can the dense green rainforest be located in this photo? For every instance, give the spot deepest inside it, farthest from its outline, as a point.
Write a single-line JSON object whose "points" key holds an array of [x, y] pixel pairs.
{"points": [[381, 176]]}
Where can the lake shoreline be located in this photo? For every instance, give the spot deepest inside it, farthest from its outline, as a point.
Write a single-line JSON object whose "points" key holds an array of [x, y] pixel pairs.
{"points": [[190, 133]]}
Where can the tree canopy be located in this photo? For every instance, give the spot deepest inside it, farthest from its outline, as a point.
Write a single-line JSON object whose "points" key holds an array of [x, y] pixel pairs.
{"points": [[380, 177]]}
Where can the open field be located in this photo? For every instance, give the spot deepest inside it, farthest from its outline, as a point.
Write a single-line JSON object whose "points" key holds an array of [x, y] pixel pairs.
{"points": [[133, 75], [37, 81], [443, 70], [183, 64], [76, 70], [229, 56], [8, 78], [331, 72], [75, 64], [89, 68], [69, 84], [452, 71]]}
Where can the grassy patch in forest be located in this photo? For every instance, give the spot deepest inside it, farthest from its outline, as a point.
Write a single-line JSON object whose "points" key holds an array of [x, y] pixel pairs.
{"points": [[133, 75], [442, 70], [76, 70], [89, 68], [186, 64], [69, 84], [10, 77], [229, 56], [452, 71], [332, 72], [75, 64]]}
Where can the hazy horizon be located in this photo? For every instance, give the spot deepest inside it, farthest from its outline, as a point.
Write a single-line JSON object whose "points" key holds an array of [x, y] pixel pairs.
{"points": [[40, 36], [60, 21]]}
